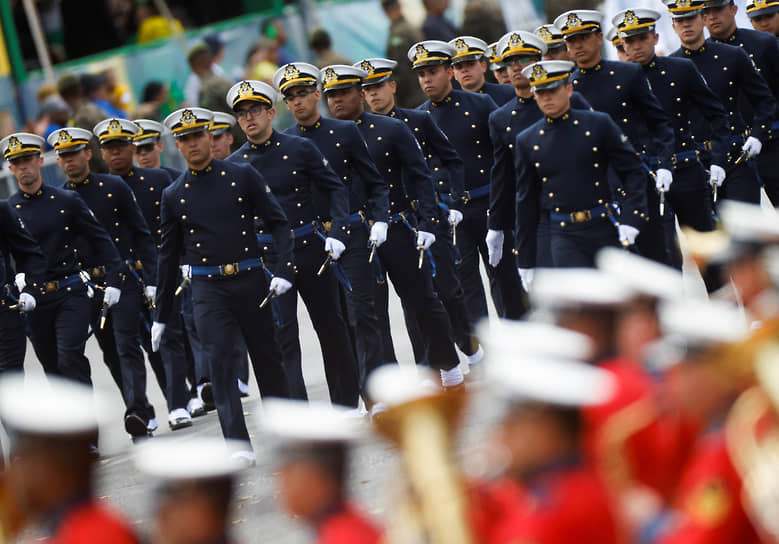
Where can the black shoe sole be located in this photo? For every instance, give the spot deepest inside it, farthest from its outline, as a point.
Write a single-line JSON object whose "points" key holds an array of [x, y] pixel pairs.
{"points": [[135, 426]]}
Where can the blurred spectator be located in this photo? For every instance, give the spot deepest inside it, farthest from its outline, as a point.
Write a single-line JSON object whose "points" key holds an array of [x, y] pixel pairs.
{"points": [[402, 35], [436, 26], [213, 90], [274, 32], [151, 24], [217, 46], [53, 115], [483, 19], [88, 26], [85, 114], [45, 91], [155, 95], [118, 93], [262, 61], [96, 89], [201, 62], [320, 43]]}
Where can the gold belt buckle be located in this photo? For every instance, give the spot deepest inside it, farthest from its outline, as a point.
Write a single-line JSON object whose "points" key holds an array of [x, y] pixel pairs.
{"points": [[230, 269], [581, 217], [51, 286], [138, 265], [327, 225]]}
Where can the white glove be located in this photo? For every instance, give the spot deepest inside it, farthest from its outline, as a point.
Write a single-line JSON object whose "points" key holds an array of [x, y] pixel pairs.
{"points": [[279, 285], [20, 281], [663, 180], [627, 234], [455, 216], [111, 296], [379, 233], [494, 241], [186, 271], [526, 275], [717, 174], [425, 239], [150, 292], [157, 329], [334, 246], [26, 302], [752, 146]]}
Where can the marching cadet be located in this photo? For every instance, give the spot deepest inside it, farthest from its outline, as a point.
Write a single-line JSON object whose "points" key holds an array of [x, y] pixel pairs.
{"points": [[683, 92], [313, 443], [310, 194], [622, 91], [149, 145], [555, 44], [399, 159], [28, 262], [208, 224], [612, 36], [463, 118], [498, 69], [192, 493], [574, 193], [542, 431], [117, 333], [401, 35], [719, 16], [470, 64], [59, 220], [117, 139], [705, 379], [730, 74], [517, 49], [53, 430], [379, 88], [763, 16], [343, 146], [221, 128]]}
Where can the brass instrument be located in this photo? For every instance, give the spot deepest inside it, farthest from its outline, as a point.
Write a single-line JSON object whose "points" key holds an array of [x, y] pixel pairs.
{"points": [[422, 425]]}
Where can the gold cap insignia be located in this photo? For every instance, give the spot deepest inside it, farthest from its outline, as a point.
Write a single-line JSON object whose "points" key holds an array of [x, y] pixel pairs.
{"points": [[330, 75], [368, 67], [630, 19], [683, 3], [544, 34], [188, 118], [64, 138], [14, 144], [291, 72], [114, 128], [760, 3], [460, 45], [421, 53], [245, 90], [516, 41], [573, 21], [538, 72]]}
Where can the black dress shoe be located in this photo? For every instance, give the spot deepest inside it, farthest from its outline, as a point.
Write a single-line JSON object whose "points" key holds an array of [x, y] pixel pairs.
{"points": [[135, 425]]}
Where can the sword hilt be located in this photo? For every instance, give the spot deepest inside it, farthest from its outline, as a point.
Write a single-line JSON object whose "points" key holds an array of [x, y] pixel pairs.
{"points": [[373, 251], [324, 264], [268, 297], [421, 256]]}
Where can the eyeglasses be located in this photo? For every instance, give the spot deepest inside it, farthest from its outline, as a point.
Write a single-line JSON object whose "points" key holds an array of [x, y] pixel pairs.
{"points": [[300, 94], [519, 61], [250, 111]]}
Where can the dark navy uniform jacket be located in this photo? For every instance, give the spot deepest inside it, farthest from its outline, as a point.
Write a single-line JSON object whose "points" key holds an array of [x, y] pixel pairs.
{"points": [[463, 116], [622, 90], [342, 144], [301, 180], [115, 207], [684, 93], [208, 220], [506, 123], [17, 242], [399, 158], [730, 73], [441, 156], [59, 220], [547, 182], [763, 49], [500, 93], [148, 184], [172, 172]]}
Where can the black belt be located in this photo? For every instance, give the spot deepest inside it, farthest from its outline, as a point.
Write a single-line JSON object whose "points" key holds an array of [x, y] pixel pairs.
{"points": [[582, 216]]}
